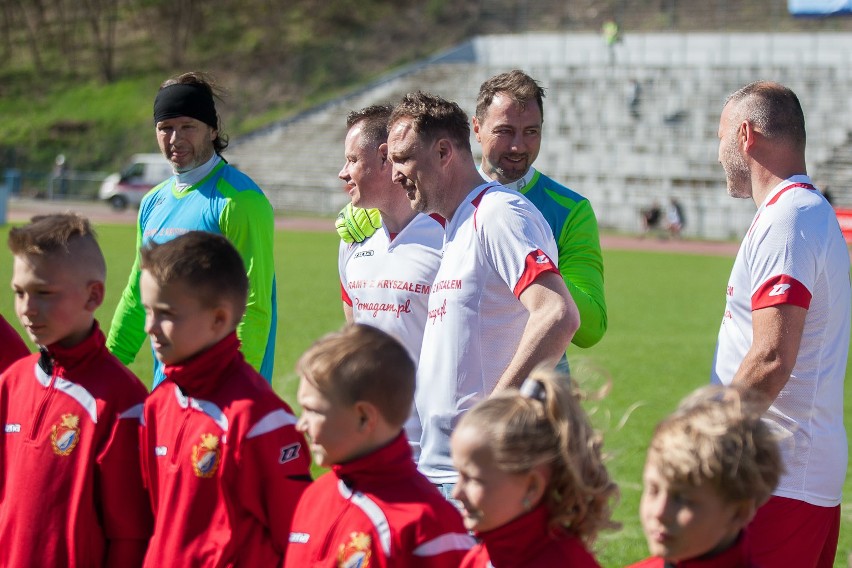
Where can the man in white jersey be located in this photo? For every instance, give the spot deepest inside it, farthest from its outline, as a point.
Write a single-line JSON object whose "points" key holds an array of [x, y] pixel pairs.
{"points": [[508, 124], [385, 279], [498, 306], [785, 331]]}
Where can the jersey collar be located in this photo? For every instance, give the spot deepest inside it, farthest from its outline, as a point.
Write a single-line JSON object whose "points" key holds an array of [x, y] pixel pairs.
{"points": [[190, 178], [518, 185], [792, 180]]}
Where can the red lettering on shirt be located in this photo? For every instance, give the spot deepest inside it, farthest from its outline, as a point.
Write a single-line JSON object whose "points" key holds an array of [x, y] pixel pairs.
{"points": [[375, 307], [386, 284], [439, 312], [447, 285]]}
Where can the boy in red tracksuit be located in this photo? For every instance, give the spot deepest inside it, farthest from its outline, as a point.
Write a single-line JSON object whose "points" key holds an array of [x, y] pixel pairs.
{"points": [[710, 465], [70, 487], [13, 346], [221, 457], [373, 508]]}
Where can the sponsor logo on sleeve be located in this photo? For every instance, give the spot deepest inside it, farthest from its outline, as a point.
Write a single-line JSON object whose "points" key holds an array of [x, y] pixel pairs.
{"points": [[289, 453], [779, 289], [13, 428]]}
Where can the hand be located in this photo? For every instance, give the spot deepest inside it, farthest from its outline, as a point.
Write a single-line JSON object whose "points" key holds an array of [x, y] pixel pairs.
{"points": [[355, 225]]}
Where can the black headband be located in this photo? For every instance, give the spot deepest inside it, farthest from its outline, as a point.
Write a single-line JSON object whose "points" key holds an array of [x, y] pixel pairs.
{"points": [[185, 99]]}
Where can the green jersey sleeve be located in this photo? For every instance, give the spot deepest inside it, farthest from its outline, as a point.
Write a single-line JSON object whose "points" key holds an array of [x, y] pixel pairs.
{"points": [[127, 331], [581, 265], [247, 220]]}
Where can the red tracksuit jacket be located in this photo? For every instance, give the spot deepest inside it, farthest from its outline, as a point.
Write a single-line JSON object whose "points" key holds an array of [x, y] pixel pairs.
{"points": [[223, 463], [69, 461], [12, 347], [527, 543], [737, 556], [376, 511]]}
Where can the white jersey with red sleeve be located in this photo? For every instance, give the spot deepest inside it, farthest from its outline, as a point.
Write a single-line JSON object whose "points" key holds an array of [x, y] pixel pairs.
{"points": [[794, 253], [496, 244]]}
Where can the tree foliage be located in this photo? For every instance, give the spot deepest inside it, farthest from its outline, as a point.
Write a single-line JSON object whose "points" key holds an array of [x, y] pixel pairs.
{"points": [[273, 56]]}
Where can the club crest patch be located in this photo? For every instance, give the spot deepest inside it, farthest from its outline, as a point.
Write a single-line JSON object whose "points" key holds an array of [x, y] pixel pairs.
{"points": [[206, 456], [65, 435], [355, 553]]}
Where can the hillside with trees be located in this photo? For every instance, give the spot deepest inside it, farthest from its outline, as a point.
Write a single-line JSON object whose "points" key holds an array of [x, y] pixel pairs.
{"points": [[78, 76]]}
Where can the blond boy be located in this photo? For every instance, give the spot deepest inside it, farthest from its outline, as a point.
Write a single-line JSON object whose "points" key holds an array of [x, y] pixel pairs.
{"points": [[710, 465], [373, 508], [70, 489]]}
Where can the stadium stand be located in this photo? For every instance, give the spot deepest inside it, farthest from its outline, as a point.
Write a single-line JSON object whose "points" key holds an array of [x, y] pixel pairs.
{"points": [[621, 157]]}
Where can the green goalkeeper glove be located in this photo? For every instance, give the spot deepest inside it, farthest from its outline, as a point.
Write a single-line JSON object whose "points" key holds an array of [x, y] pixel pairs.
{"points": [[354, 224]]}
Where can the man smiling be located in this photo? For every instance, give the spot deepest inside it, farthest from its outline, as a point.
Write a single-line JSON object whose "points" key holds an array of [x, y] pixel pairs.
{"points": [[498, 306], [508, 124], [385, 279]]}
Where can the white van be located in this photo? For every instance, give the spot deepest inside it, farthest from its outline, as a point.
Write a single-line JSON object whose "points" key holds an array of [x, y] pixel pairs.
{"points": [[141, 173]]}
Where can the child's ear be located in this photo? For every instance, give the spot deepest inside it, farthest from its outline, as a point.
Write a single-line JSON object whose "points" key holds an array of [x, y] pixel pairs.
{"points": [[368, 416], [223, 317], [95, 297], [536, 485], [744, 512]]}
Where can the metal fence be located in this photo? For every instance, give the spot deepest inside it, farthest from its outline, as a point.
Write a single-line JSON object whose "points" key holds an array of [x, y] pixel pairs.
{"points": [[69, 185]]}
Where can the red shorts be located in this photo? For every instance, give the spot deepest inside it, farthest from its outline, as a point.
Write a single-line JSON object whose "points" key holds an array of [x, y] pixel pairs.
{"points": [[787, 532]]}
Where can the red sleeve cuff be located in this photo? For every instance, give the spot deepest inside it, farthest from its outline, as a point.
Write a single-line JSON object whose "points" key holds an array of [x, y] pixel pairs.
{"points": [[537, 263], [781, 289]]}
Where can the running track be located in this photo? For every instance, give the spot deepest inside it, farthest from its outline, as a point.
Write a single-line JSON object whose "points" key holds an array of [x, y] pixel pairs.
{"points": [[20, 210]]}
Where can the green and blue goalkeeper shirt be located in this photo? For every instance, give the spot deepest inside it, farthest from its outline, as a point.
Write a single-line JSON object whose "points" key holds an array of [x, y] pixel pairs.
{"points": [[575, 229], [224, 201]]}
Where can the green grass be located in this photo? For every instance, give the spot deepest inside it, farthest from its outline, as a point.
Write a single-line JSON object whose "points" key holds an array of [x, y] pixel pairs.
{"points": [[50, 122], [664, 313]]}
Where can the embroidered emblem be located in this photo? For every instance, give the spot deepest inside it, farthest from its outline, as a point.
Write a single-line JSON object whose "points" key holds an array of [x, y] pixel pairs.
{"points": [[206, 456], [355, 553], [65, 435]]}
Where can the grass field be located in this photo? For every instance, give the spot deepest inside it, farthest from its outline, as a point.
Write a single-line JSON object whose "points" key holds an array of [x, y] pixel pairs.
{"points": [[664, 313]]}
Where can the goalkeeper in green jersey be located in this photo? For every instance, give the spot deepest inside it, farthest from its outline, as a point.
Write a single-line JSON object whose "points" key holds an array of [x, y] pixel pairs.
{"points": [[508, 123]]}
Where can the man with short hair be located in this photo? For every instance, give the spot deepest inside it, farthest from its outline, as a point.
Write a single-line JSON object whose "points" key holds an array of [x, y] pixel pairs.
{"points": [[498, 306], [785, 331], [208, 194], [386, 278], [508, 125]]}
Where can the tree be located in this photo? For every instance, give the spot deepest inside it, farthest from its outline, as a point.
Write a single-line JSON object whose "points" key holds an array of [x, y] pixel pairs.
{"points": [[102, 16]]}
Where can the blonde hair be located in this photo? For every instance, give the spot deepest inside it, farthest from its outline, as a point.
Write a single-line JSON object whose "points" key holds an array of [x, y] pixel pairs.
{"points": [[68, 236], [362, 363], [716, 436], [549, 426]]}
